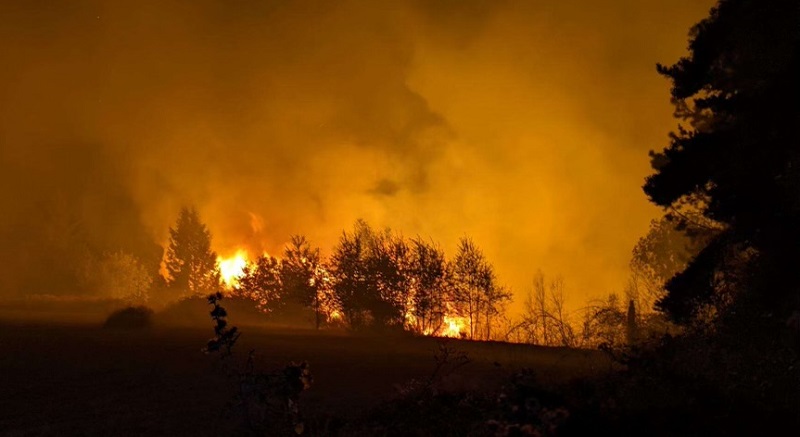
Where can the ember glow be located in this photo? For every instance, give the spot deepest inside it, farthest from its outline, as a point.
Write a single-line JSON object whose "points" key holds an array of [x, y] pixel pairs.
{"points": [[231, 269], [454, 326]]}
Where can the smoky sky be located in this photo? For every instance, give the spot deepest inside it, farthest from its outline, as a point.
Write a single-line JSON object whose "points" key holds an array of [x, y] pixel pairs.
{"points": [[522, 124]]}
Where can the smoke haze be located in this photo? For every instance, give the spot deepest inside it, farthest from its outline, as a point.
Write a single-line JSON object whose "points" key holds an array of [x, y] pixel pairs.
{"points": [[524, 125]]}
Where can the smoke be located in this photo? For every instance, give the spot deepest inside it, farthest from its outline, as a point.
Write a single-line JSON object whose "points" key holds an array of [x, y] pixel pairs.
{"points": [[525, 125]]}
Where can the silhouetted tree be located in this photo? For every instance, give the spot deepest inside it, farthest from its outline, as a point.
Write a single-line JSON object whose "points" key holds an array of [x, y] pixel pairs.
{"points": [[261, 282], [389, 280], [631, 328], [476, 295], [604, 323], [664, 251], [429, 276], [545, 320], [190, 263], [302, 276], [349, 275], [737, 162], [371, 277]]}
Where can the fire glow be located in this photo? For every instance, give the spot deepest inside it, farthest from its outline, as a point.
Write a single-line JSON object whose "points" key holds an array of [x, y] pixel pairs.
{"points": [[231, 269]]}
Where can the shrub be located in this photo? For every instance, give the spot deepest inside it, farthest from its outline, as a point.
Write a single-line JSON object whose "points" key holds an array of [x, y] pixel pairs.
{"points": [[132, 317], [267, 403]]}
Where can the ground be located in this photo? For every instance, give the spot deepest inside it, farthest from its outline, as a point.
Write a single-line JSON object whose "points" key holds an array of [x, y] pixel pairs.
{"points": [[82, 379]]}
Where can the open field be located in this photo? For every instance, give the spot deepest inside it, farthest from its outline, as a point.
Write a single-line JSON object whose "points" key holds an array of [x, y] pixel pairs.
{"points": [[80, 379]]}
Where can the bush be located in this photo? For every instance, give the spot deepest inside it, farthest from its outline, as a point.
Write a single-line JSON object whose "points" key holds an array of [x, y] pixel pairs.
{"points": [[132, 317]]}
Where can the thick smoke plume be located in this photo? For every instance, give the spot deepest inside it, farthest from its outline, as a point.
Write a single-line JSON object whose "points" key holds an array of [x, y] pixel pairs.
{"points": [[524, 125]]}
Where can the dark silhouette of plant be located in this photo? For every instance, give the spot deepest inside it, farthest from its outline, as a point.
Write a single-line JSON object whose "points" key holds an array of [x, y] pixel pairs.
{"points": [[262, 283], [371, 277], [737, 163], [349, 276], [224, 336], [190, 263], [303, 279], [476, 294], [267, 403], [429, 276], [545, 320]]}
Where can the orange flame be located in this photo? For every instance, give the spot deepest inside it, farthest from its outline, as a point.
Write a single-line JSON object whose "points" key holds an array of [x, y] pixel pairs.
{"points": [[231, 269], [454, 326]]}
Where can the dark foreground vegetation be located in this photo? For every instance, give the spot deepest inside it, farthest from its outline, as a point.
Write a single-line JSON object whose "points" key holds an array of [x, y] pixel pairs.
{"points": [[80, 379], [84, 379]]}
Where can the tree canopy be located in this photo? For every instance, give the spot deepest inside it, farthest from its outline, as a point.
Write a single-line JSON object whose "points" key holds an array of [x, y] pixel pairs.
{"points": [[190, 263], [737, 162]]}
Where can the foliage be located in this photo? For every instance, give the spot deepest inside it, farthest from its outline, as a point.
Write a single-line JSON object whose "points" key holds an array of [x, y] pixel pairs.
{"points": [[476, 294], [190, 263], [371, 280], [266, 403], [545, 320], [604, 324], [666, 250], [429, 277], [224, 337], [304, 279], [132, 317], [350, 278], [737, 162], [262, 282], [120, 275], [521, 407]]}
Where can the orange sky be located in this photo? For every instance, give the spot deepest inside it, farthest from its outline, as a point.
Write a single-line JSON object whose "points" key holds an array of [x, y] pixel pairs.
{"points": [[523, 124]]}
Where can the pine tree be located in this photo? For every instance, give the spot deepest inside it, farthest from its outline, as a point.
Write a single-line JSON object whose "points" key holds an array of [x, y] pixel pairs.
{"points": [[190, 263], [737, 163]]}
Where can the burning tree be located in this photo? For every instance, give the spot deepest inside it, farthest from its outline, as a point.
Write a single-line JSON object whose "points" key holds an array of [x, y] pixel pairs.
{"points": [[190, 263]]}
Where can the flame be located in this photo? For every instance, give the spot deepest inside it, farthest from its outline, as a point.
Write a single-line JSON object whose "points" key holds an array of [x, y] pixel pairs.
{"points": [[454, 326], [334, 316], [231, 269]]}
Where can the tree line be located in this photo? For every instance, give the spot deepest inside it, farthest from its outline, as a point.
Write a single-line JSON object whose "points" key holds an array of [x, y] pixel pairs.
{"points": [[380, 280], [374, 279]]}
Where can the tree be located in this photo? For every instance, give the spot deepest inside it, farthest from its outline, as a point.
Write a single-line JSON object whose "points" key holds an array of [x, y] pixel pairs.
{"points": [[545, 320], [262, 282], [123, 276], [429, 276], [303, 277], [388, 278], [349, 276], [371, 280], [604, 323], [737, 163], [667, 248], [476, 294], [190, 263]]}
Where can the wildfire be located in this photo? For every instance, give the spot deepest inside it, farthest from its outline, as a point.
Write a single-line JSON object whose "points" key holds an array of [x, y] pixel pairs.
{"points": [[334, 316], [454, 327], [232, 269]]}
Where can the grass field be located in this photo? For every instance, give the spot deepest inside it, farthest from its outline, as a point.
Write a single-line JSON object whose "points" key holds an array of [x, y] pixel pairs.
{"points": [[81, 379]]}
